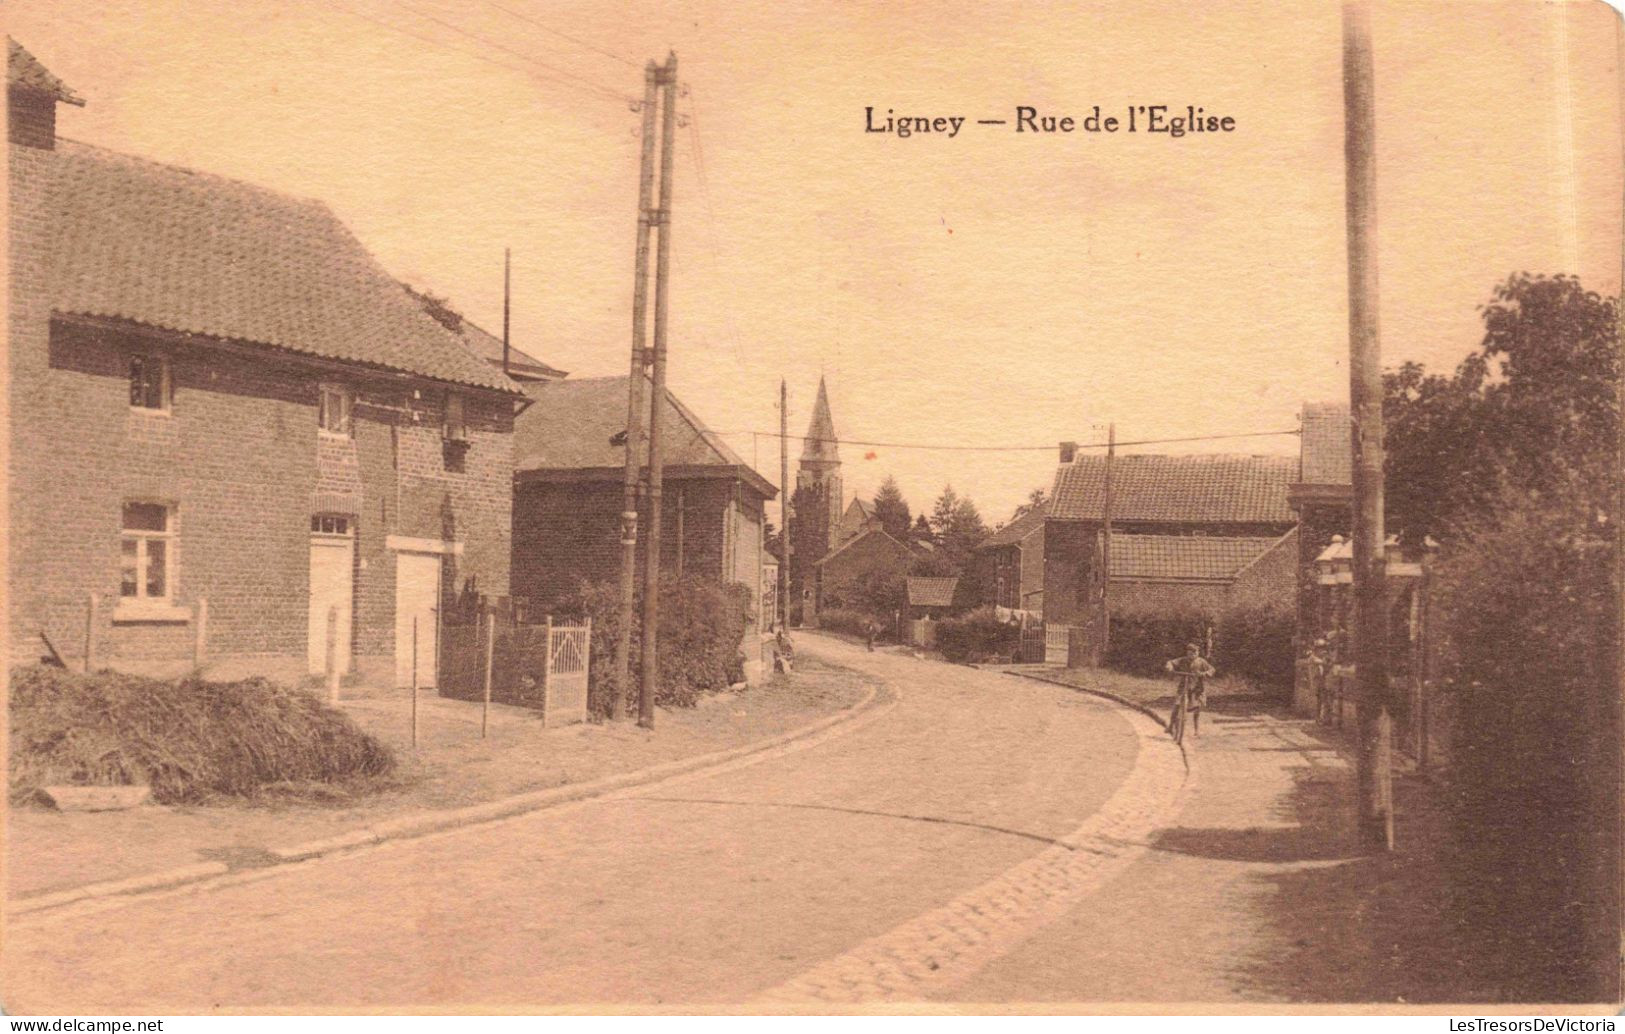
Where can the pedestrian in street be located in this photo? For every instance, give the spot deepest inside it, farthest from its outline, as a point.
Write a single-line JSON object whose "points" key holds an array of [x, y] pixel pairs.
{"points": [[870, 630], [1193, 671]]}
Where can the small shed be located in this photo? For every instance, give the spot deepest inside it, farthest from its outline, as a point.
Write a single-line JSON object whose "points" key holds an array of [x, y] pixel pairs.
{"points": [[931, 598]]}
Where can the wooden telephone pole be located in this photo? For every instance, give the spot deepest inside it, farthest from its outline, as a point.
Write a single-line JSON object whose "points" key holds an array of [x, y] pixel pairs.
{"points": [[784, 504], [1105, 638], [634, 404], [1375, 770], [667, 78]]}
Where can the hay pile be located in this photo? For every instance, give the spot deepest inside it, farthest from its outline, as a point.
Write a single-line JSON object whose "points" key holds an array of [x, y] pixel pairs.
{"points": [[190, 739]]}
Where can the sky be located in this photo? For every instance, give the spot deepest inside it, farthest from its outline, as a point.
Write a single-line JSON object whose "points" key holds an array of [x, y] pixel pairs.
{"points": [[989, 289]]}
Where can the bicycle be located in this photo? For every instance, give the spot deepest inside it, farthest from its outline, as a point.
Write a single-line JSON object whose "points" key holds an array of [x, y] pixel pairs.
{"points": [[1182, 696]]}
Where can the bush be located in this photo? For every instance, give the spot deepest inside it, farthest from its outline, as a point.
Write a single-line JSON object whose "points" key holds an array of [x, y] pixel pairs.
{"points": [[976, 637], [1525, 620], [702, 622], [188, 739], [851, 622]]}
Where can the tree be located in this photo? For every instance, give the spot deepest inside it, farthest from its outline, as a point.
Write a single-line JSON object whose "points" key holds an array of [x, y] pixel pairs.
{"points": [[891, 510], [942, 514], [1035, 499], [921, 532], [1534, 403]]}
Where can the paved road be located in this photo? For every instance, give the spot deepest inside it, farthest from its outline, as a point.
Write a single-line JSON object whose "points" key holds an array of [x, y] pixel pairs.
{"points": [[896, 860]]}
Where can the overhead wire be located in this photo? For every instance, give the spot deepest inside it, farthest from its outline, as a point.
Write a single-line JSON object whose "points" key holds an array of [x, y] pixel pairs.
{"points": [[563, 35], [1012, 448]]}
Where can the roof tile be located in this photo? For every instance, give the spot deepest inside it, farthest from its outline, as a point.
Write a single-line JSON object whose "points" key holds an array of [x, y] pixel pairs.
{"points": [[1184, 557], [1177, 489], [166, 247], [931, 592]]}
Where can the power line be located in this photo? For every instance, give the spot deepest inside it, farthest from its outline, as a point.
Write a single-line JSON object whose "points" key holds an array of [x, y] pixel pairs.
{"points": [[476, 37], [564, 36], [433, 42], [1013, 448]]}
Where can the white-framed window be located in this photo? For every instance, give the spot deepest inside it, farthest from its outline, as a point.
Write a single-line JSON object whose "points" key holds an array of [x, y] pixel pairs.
{"points": [[147, 552], [455, 428], [149, 383], [335, 410], [329, 524]]}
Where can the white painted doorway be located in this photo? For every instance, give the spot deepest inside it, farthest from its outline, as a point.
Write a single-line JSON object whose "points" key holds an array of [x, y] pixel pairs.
{"points": [[332, 586], [417, 594]]}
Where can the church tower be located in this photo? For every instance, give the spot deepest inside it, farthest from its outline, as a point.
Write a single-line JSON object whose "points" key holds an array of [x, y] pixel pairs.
{"points": [[817, 503]]}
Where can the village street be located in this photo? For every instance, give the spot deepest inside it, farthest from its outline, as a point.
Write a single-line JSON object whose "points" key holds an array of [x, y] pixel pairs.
{"points": [[984, 838]]}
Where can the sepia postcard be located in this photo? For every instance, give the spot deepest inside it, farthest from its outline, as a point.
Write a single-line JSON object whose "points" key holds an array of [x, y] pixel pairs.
{"points": [[834, 507]]}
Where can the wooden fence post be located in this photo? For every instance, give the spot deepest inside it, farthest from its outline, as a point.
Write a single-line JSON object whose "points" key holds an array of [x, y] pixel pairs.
{"points": [[333, 655], [90, 633], [414, 682], [490, 641], [200, 638]]}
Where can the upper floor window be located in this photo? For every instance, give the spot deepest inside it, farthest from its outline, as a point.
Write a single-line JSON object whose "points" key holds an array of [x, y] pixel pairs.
{"points": [[456, 426], [149, 383], [335, 412], [147, 556]]}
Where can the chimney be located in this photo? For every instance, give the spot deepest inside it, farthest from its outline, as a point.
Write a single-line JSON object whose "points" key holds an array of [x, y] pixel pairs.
{"points": [[1069, 451], [32, 94]]}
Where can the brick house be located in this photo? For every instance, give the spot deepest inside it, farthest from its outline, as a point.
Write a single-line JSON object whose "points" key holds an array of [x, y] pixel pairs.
{"points": [[226, 421], [1014, 559], [568, 494], [873, 554], [1237, 502]]}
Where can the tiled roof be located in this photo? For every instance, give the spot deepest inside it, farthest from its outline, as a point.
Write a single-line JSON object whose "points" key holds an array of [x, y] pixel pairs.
{"points": [[487, 345], [931, 592], [901, 548], [572, 422], [23, 69], [1183, 557], [184, 251], [1177, 489], [1328, 452], [1012, 534]]}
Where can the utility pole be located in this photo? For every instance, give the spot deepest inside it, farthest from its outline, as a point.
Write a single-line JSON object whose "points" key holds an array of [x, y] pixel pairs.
{"points": [[1374, 770], [1105, 638], [507, 264], [634, 406], [784, 504], [667, 78]]}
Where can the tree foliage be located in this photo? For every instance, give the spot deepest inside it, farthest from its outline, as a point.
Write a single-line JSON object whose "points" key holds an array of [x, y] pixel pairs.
{"points": [[1534, 402], [892, 510], [958, 526]]}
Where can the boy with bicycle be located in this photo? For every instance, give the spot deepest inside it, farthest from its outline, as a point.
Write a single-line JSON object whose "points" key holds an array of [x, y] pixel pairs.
{"points": [[1193, 670]]}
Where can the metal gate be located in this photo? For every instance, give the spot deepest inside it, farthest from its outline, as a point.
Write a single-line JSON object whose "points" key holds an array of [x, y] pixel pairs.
{"points": [[1057, 643], [1032, 647], [569, 659]]}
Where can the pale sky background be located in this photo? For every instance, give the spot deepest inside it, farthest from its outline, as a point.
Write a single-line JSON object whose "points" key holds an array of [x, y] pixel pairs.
{"points": [[991, 289]]}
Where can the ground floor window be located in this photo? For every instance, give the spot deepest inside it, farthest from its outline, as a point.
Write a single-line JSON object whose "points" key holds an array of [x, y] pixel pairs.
{"points": [[146, 552]]}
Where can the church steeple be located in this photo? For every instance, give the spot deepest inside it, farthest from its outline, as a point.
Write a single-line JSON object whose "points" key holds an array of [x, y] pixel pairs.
{"points": [[820, 446]]}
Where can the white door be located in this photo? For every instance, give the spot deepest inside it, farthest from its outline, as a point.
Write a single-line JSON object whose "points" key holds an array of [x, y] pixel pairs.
{"points": [[417, 593], [332, 559]]}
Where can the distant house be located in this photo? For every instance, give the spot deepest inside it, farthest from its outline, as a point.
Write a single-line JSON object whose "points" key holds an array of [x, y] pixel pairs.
{"points": [[1014, 556], [227, 422], [1238, 501], [931, 597], [858, 518], [569, 462], [872, 555]]}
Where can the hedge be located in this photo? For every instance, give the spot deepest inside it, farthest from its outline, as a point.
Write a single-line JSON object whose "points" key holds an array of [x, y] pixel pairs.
{"points": [[1254, 643], [702, 622], [976, 637]]}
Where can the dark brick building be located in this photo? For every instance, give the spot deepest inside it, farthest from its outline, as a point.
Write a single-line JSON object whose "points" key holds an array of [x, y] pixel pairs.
{"points": [[1188, 532], [227, 420], [1014, 560], [569, 464]]}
